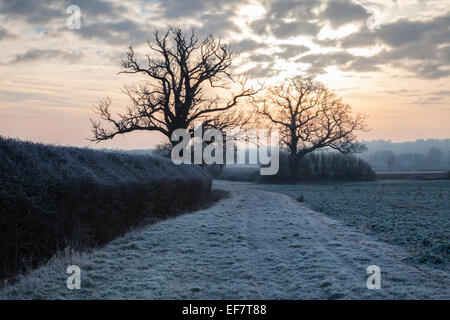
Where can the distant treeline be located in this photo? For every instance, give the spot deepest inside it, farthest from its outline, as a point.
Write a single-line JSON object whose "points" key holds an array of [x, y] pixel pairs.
{"points": [[317, 166], [417, 146], [420, 155], [56, 197]]}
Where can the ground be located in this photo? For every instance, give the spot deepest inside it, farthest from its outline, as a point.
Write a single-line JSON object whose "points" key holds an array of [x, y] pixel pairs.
{"points": [[410, 213], [253, 245]]}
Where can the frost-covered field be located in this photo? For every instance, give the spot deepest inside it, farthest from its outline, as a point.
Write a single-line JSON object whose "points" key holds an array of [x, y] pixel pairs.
{"points": [[413, 214], [253, 245]]}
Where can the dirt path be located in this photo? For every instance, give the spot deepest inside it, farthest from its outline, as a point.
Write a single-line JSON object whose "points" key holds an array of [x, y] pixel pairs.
{"points": [[254, 245]]}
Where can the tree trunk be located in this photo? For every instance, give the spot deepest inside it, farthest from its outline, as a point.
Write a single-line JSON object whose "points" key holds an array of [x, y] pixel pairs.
{"points": [[293, 164]]}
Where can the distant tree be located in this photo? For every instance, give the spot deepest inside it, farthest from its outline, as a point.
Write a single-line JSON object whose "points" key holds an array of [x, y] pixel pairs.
{"points": [[182, 74], [434, 157], [448, 160], [389, 158], [309, 117]]}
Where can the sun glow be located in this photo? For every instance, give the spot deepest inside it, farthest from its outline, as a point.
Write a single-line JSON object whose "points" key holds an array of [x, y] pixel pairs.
{"points": [[329, 33], [252, 11]]}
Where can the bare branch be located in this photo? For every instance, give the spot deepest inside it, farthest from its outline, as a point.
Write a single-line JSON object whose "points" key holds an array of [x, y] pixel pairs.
{"points": [[179, 68], [309, 117]]}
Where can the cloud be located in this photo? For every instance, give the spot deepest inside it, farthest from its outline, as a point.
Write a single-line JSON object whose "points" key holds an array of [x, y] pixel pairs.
{"points": [[291, 50], [318, 62], [218, 24], [429, 100], [215, 16], [124, 32], [401, 33], [420, 47], [445, 93], [434, 97], [262, 70], [175, 9], [38, 54], [247, 45], [5, 34], [99, 8], [46, 11], [292, 9], [260, 57], [444, 54], [404, 32], [284, 30], [432, 70], [288, 18], [341, 12], [36, 11]]}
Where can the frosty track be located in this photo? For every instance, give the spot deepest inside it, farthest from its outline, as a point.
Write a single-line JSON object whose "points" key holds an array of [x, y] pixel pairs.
{"points": [[253, 245]]}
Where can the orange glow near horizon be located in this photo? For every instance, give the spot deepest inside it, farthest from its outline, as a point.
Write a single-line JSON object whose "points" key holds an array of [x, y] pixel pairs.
{"points": [[50, 77]]}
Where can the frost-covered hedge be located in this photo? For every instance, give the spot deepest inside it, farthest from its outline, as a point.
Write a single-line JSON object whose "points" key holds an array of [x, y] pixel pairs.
{"points": [[53, 197]]}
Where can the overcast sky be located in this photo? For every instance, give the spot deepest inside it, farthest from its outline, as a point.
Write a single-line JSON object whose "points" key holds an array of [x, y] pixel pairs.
{"points": [[389, 59]]}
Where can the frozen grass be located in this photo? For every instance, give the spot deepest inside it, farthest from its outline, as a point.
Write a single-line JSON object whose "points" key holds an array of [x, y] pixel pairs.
{"points": [[53, 197], [249, 173], [412, 214], [253, 245]]}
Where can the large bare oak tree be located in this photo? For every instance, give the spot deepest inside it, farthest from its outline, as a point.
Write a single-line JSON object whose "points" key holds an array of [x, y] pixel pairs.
{"points": [[182, 74], [309, 117]]}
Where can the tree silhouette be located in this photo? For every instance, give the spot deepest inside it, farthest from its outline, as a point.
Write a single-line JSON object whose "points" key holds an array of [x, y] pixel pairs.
{"points": [[309, 117], [183, 72]]}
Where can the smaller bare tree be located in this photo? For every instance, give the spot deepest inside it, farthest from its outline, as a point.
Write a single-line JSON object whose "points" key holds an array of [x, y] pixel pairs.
{"points": [[309, 117]]}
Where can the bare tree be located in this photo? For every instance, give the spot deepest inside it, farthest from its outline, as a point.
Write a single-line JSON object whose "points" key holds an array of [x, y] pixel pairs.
{"points": [[183, 72], [309, 117], [390, 158]]}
